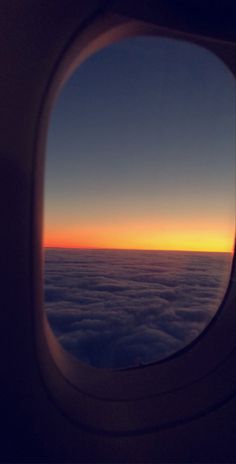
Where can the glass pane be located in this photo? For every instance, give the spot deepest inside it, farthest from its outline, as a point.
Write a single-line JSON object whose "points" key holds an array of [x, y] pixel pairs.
{"points": [[139, 201]]}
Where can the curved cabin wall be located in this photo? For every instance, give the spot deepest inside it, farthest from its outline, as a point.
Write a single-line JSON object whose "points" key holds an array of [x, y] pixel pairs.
{"points": [[40, 421]]}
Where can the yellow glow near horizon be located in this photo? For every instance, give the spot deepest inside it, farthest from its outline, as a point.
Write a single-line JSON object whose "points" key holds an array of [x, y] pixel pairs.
{"points": [[184, 237]]}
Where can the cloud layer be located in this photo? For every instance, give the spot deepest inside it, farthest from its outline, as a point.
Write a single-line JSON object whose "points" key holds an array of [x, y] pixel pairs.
{"points": [[124, 308]]}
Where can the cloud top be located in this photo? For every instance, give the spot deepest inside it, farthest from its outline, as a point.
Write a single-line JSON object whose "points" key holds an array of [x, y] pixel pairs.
{"points": [[119, 308]]}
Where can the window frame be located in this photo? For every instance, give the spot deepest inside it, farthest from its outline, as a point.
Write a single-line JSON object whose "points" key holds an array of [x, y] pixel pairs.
{"points": [[137, 400]]}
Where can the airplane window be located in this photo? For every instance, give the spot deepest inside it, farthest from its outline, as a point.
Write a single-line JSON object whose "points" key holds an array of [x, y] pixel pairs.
{"points": [[139, 201]]}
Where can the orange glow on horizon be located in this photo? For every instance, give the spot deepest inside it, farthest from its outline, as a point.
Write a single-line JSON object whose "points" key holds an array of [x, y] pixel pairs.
{"points": [[184, 237]]}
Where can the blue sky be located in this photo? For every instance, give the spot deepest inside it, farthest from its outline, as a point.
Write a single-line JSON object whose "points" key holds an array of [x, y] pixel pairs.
{"points": [[141, 143]]}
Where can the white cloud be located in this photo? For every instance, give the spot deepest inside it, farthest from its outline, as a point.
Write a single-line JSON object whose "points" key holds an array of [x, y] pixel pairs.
{"points": [[118, 309]]}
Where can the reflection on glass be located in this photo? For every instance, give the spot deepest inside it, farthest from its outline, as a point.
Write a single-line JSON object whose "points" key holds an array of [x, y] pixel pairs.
{"points": [[139, 201]]}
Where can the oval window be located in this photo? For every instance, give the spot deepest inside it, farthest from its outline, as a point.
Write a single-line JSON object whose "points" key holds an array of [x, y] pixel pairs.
{"points": [[139, 201]]}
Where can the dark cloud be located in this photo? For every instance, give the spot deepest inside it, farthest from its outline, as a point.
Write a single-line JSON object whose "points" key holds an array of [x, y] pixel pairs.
{"points": [[124, 308]]}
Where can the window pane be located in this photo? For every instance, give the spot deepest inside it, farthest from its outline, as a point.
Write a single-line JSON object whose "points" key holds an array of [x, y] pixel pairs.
{"points": [[139, 201]]}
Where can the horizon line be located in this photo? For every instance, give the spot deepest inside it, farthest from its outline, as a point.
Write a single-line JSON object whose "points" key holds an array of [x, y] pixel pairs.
{"points": [[135, 249]]}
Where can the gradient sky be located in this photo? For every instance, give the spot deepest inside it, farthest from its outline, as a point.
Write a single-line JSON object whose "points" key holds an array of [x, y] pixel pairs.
{"points": [[141, 151]]}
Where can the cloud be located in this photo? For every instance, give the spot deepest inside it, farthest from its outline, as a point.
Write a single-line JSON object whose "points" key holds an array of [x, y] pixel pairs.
{"points": [[121, 308]]}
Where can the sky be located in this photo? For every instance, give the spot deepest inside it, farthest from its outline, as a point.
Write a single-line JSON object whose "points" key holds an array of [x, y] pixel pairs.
{"points": [[141, 151]]}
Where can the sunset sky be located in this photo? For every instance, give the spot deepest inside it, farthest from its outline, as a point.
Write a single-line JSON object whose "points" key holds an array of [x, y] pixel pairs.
{"points": [[141, 151]]}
